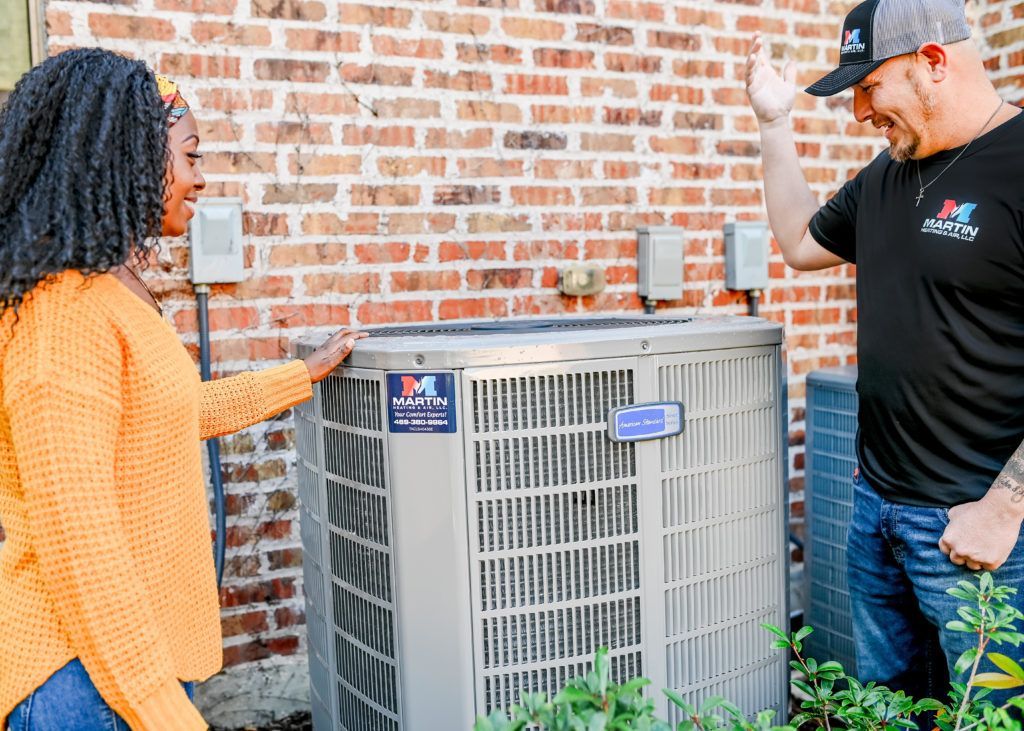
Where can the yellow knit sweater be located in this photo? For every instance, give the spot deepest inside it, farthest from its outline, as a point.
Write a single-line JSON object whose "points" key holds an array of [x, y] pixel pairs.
{"points": [[102, 497]]}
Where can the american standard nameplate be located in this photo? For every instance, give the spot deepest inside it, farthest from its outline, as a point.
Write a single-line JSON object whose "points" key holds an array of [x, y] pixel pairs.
{"points": [[638, 422]]}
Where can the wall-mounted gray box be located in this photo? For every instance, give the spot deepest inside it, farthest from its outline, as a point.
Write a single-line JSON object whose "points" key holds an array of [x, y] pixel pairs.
{"points": [[746, 255], [215, 238], [660, 262]]}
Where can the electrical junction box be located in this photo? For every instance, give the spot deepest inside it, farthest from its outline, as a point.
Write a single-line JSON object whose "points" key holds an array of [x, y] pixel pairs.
{"points": [[581, 280], [746, 255], [660, 265], [215, 239]]}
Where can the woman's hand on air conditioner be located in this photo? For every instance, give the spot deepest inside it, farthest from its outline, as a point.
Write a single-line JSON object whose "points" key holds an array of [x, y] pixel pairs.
{"points": [[329, 356]]}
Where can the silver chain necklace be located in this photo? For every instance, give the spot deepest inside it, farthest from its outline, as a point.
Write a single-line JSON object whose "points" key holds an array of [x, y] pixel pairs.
{"points": [[920, 193]]}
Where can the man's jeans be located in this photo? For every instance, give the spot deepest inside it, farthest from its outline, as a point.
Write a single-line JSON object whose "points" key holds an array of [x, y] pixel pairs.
{"points": [[898, 580], [68, 701]]}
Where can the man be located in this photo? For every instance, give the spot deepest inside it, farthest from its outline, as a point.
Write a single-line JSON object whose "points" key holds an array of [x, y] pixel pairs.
{"points": [[935, 225]]}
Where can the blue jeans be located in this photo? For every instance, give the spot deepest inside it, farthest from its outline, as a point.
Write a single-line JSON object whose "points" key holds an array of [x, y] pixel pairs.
{"points": [[68, 701], [898, 580]]}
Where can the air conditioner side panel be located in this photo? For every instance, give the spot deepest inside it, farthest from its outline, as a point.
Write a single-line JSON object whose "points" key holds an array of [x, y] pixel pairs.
{"points": [[315, 567], [724, 527], [351, 577]]}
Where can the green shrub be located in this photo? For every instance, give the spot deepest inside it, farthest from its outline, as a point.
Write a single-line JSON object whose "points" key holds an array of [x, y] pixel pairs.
{"points": [[835, 700]]}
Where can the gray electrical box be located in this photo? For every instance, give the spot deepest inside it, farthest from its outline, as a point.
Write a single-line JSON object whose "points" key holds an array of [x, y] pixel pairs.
{"points": [[746, 255], [660, 265], [215, 239]]}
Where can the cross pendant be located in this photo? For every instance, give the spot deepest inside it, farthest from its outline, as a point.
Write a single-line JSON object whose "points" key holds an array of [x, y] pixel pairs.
{"points": [[920, 195]]}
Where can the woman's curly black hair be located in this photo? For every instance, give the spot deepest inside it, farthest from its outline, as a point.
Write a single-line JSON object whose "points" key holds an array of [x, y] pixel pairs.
{"points": [[83, 155]]}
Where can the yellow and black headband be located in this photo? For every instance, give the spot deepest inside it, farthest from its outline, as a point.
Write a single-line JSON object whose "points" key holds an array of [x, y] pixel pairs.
{"points": [[175, 105]]}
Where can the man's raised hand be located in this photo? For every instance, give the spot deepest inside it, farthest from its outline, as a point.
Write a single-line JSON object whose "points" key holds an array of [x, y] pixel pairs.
{"points": [[771, 95]]}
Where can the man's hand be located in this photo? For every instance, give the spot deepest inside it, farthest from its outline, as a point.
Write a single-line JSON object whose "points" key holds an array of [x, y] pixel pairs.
{"points": [[328, 356], [980, 535], [771, 95]]}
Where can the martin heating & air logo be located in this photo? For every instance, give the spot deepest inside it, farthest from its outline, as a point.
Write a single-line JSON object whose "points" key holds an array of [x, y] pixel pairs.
{"points": [[420, 391], [953, 220], [425, 386], [851, 42]]}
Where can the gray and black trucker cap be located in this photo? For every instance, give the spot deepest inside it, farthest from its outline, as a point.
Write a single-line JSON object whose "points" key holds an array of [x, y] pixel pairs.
{"points": [[877, 30]]}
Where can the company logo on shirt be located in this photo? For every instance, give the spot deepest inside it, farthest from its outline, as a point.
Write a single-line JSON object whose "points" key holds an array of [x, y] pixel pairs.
{"points": [[962, 212], [953, 220], [851, 42]]}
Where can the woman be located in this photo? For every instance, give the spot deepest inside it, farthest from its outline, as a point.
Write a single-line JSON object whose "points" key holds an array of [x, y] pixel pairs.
{"points": [[108, 601]]}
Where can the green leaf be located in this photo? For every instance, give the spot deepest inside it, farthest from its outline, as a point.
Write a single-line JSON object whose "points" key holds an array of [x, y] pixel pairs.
{"points": [[603, 668], [677, 699], [634, 685], [1010, 638], [966, 660], [711, 703], [1006, 665], [958, 626], [733, 710], [575, 695], [830, 666], [797, 683], [776, 631], [598, 722], [997, 681], [803, 632]]}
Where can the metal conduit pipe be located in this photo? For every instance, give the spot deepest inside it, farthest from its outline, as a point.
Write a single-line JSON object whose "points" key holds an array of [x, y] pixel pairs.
{"points": [[212, 444]]}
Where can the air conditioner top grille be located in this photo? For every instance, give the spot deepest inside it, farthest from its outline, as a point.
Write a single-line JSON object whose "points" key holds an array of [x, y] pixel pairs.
{"points": [[533, 341], [512, 327], [839, 377]]}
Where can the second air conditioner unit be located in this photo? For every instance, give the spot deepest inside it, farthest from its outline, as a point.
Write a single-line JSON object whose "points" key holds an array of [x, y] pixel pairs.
{"points": [[830, 461]]}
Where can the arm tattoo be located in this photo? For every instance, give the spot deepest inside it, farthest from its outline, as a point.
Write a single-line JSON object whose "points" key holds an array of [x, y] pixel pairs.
{"points": [[1012, 476]]}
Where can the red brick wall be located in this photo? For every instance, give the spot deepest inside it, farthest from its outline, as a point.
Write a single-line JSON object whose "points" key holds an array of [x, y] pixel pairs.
{"points": [[1000, 33], [405, 161]]}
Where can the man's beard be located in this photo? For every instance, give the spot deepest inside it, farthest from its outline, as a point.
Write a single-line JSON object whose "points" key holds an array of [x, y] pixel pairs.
{"points": [[904, 151]]}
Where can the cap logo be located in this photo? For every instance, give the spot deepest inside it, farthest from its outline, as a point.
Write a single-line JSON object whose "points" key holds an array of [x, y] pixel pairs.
{"points": [[851, 42]]}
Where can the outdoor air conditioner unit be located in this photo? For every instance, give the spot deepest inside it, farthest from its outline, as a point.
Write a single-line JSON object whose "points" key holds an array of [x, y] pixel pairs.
{"points": [[481, 511], [830, 461]]}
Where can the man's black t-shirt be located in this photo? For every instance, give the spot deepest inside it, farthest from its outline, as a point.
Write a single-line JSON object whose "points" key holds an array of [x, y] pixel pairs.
{"points": [[940, 298]]}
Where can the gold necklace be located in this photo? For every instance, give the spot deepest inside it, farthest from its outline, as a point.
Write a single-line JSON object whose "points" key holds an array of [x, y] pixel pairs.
{"points": [[152, 296]]}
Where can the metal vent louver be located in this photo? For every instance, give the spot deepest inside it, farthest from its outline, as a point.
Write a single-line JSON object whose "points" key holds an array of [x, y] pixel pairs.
{"points": [[352, 633], [722, 513], [557, 521], [831, 458], [448, 570]]}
